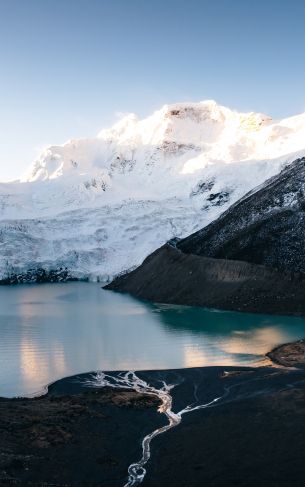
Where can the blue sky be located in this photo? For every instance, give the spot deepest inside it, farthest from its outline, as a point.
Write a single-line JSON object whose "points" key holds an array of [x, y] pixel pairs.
{"points": [[69, 66]]}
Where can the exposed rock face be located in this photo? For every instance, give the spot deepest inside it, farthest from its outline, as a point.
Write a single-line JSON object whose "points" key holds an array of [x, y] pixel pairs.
{"points": [[217, 266], [267, 226]]}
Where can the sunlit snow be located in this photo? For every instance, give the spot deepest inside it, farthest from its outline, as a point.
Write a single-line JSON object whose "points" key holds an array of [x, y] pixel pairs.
{"points": [[99, 206]]}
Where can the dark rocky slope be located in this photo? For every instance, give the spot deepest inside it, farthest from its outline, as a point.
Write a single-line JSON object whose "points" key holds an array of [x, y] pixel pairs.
{"points": [[170, 276], [267, 226], [252, 258]]}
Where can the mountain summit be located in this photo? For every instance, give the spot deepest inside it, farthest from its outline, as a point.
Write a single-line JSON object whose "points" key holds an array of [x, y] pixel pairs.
{"points": [[96, 207], [196, 133]]}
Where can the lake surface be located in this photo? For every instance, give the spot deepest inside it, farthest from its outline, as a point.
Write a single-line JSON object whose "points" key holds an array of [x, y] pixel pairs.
{"points": [[49, 331]]}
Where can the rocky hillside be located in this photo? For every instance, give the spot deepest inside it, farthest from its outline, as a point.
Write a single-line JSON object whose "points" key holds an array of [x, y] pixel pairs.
{"points": [[267, 226], [221, 265], [170, 276]]}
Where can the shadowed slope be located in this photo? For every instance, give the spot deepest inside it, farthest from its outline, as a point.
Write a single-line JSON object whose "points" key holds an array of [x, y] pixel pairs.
{"points": [[267, 226], [170, 276], [217, 266]]}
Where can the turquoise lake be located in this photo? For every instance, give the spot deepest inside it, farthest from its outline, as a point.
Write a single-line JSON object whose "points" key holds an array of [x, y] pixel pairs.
{"points": [[50, 331]]}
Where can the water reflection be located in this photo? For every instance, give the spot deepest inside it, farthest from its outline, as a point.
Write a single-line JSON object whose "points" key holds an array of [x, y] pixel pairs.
{"points": [[245, 337], [50, 331]]}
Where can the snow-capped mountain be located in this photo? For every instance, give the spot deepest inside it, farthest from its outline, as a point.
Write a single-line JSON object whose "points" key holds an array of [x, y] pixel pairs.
{"points": [[251, 258], [96, 207]]}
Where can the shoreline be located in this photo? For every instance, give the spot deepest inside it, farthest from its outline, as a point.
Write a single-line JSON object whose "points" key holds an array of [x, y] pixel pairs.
{"points": [[44, 439], [168, 275]]}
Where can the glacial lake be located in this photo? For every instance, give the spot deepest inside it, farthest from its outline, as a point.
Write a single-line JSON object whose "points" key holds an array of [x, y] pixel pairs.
{"points": [[50, 331]]}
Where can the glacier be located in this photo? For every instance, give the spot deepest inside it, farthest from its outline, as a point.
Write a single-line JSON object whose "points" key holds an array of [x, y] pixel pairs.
{"points": [[95, 208]]}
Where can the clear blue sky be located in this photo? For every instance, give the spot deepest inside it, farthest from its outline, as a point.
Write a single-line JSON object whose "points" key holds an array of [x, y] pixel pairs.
{"points": [[68, 66]]}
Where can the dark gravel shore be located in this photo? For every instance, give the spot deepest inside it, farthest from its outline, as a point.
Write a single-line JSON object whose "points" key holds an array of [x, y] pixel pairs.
{"points": [[77, 436]]}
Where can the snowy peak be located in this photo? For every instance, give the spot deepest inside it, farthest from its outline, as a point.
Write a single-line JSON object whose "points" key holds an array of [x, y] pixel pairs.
{"points": [[98, 206], [177, 121], [183, 129]]}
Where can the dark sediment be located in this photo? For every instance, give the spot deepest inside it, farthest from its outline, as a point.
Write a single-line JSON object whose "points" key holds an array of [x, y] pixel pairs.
{"points": [[254, 442], [171, 276], [75, 436]]}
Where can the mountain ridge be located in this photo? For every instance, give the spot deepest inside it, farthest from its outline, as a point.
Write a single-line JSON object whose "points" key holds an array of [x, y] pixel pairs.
{"points": [[251, 258], [99, 206], [251, 228]]}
